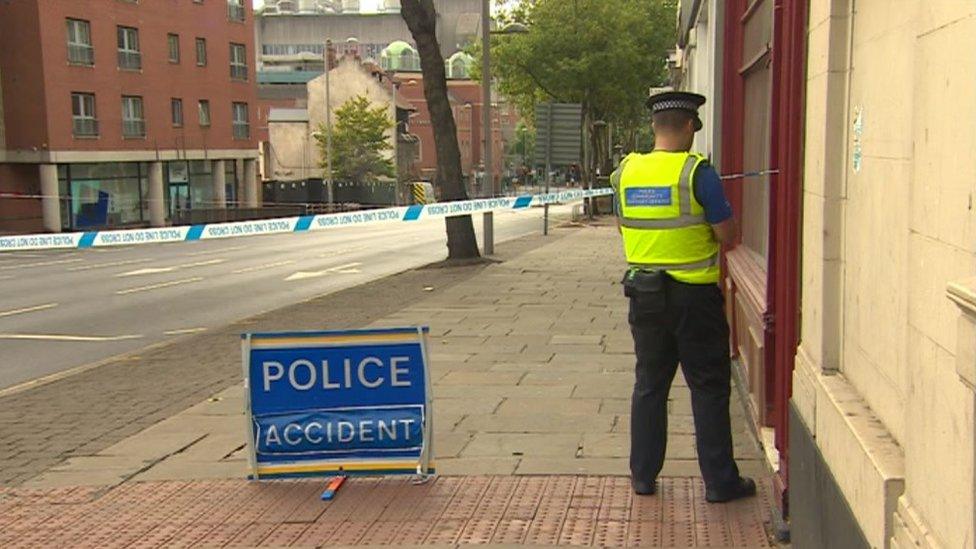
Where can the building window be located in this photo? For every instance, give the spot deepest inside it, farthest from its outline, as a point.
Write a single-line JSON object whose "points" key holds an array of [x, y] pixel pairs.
{"points": [[235, 10], [176, 109], [133, 122], [204, 111], [242, 130], [129, 56], [103, 195], [174, 47], [201, 52], [80, 50], [84, 122], [238, 62]]}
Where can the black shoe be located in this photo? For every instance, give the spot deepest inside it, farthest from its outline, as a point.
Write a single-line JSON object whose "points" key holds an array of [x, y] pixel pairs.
{"points": [[642, 488], [744, 488]]}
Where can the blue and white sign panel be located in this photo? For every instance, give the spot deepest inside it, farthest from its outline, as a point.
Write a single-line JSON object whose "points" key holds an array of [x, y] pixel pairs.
{"points": [[321, 403]]}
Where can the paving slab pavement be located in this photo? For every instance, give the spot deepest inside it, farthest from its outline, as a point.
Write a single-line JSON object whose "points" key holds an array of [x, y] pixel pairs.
{"points": [[503, 399], [532, 371], [103, 405]]}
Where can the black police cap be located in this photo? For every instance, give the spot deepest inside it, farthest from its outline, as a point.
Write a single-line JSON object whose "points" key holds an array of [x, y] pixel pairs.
{"points": [[677, 100]]}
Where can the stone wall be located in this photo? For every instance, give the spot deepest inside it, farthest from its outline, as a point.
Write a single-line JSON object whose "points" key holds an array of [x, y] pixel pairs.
{"points": [[888, 223]]}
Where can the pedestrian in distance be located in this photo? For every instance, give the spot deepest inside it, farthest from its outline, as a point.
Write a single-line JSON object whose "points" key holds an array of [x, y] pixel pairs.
{"points": [[673, 216]]}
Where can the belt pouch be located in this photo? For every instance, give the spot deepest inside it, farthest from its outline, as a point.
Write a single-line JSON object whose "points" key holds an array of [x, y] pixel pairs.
{"points": [[648, 288]]}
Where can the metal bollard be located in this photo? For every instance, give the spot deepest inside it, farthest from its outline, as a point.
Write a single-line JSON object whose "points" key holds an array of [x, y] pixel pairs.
{"points": [[489, 233]]}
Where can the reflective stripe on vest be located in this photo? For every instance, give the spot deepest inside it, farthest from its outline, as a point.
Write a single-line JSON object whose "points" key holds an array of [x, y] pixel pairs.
{"points": [[676, 223], [704, 264]]}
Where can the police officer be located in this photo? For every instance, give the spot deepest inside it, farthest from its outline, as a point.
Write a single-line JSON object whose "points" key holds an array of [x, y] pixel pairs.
{"points": [[673, 216]]}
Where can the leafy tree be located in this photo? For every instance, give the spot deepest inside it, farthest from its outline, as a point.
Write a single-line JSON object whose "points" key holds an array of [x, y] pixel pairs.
{"points": [[358, 142], [604, 54], [421, 19]]}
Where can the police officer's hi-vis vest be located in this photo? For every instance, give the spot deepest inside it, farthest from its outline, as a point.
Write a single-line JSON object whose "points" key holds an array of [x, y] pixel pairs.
{"points": [[663, 224]]}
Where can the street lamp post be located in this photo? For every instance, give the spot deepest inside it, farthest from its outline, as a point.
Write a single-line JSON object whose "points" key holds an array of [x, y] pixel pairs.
{"points": [[328, 128], [488, 218], [598, 162], [396, 143]]}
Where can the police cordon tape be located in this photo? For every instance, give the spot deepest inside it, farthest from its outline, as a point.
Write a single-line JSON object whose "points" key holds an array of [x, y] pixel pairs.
{"points": [[417, 212]]}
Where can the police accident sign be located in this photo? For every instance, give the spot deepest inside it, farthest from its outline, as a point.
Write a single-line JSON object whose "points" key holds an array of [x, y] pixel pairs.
{"points": [[355, 402]]}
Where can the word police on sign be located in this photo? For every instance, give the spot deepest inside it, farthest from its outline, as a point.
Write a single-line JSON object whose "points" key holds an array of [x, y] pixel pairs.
{"points": [[355, 402]]}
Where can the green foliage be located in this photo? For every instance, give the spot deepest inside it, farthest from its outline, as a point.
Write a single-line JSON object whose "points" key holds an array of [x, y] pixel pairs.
{"points": [[358, 142], [605, 54], [522, 145]]}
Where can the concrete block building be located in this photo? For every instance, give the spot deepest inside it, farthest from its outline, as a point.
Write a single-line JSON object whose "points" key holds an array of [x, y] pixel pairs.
{"points": [[121, 114]]}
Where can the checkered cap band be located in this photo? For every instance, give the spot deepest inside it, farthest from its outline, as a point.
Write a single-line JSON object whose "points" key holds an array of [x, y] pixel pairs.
{"points": [[675, 104]]}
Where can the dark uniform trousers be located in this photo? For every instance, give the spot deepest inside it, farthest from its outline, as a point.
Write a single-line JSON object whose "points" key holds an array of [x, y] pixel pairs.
{"points": [[688, 327]]}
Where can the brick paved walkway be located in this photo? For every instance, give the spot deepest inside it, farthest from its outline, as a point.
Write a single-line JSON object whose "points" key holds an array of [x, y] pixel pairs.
{"points": [[564, 510]]}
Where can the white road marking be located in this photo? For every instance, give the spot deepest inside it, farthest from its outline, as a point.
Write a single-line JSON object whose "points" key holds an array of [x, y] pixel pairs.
{"points": [[110, 264], [146, 271], [217, 251], [342, 269], [157, 270], [159, 286], [334, 253], [61, 337], [28, 309], [39, 264], [265, 266], [184, 331]]}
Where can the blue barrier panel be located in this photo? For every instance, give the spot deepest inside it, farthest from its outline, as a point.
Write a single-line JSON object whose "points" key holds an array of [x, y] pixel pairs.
{"points": [[355, 402]]}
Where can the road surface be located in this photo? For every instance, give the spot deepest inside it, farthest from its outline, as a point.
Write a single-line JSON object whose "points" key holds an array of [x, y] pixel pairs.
{"points": [[63, 309]]}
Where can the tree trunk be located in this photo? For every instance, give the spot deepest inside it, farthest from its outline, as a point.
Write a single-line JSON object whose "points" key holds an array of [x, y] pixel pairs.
{"points": [[421, 19]]}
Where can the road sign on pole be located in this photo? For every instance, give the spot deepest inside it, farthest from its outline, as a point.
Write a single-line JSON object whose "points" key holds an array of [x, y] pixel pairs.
{"points": [[327, 403], [559, 133], [559, 137]]}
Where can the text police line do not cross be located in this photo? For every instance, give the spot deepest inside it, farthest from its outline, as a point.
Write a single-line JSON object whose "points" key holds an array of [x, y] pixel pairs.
{"points": [[285, 225]]}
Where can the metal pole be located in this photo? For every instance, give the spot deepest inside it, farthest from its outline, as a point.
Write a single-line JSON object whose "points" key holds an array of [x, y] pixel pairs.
{"points": [[328, 128], [488, 218], [587, 170], [545, 208], [590, 202], [489, 233], [396, 145]]}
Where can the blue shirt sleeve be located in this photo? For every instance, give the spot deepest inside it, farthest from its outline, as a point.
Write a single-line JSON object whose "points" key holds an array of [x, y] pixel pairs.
{"points": [[710, 194]]}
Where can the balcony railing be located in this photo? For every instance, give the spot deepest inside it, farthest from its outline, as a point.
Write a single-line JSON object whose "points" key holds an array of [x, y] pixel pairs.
{"points": [[235, 12], [238, 72], [85, 127], [130, 60], [134, 128], [80, 54], [242, 130]]}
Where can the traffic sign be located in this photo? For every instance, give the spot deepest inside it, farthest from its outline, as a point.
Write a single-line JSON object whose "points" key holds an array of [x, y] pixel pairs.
{"points": [[559, 133], [338, 402]]}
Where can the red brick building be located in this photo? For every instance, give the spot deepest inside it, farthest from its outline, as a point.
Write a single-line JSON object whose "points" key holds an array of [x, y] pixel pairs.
{"points": [[124, 113], [466, 102]]}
